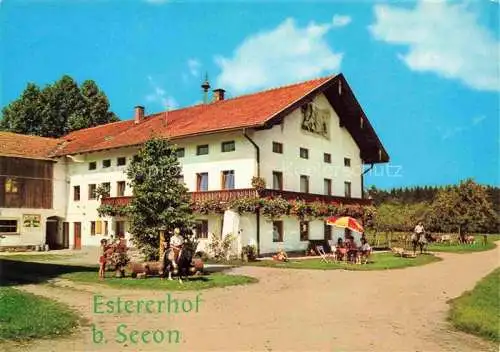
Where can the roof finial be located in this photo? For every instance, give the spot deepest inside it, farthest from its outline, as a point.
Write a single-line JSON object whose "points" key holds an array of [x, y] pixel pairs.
{"points": [[205, 86]]}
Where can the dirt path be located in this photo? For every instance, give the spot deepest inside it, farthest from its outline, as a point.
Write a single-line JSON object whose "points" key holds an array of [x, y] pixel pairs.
{"points": [[298, 310]]}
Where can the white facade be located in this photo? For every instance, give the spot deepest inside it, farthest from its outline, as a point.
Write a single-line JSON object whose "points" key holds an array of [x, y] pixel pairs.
{"points": [[73, 171]]}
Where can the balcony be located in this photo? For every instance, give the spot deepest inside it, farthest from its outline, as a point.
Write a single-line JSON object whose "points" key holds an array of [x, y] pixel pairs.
{"points": [[230, 194]]}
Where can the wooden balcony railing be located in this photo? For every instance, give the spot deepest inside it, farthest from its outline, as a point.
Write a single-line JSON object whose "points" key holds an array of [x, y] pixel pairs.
{"points": [[230, 194]]}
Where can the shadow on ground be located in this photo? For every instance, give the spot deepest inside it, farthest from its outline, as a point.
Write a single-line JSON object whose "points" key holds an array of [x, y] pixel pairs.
{"points": [[13, 272]]}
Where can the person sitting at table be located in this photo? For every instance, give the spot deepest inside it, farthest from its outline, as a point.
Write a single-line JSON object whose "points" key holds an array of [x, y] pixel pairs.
{"points": [[352, 249], [365, 250], [341, 249]]}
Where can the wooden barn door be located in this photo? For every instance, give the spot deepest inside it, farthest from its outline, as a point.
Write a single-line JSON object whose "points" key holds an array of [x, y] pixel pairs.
{"points": [[78, 235], [65, 234]]}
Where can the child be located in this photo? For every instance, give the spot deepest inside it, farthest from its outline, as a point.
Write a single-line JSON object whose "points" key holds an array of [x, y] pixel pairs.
{"points": [[102, 258]]}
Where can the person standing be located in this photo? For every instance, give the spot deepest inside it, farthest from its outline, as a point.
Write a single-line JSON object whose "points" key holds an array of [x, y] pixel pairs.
{"points": [[102, 258]]}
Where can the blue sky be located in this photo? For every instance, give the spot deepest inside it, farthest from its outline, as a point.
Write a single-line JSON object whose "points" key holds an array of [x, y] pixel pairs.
{"points": [[426, 73]]}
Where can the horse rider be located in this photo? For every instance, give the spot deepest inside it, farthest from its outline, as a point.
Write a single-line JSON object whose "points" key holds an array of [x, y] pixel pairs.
{"points": [[418, 237], [176, 243]]}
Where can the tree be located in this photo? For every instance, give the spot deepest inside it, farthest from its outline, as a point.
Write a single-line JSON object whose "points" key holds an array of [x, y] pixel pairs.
{"points": [[160, 201], [464, 208], [24, 115], [57, 109]]}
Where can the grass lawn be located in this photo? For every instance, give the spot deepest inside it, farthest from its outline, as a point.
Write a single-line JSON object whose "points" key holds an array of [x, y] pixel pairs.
{"points": [[378, 261], [24, 316], [154, 283], [478, 311], [466, 248]]}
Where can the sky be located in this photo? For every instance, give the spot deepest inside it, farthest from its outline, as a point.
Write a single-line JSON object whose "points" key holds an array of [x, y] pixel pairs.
{"points": [[426, 73]]}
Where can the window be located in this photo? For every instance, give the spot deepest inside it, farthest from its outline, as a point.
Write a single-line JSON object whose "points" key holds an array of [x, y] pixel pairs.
{"points": [[121, 161], [106, 187], [227, 179], [8, 226], [92, 228], [92, 192], [327, 185], [106, 232], [11, 186], [92, 165], [76, 193], [228, 146], [277, 231], [347, 162], [327, 158], [202, 149], [120, 228], [347, 188], [304, 230], [327, 231], [277, 147], [98, 227], [180, 152], [202, 182], [304, 153], [106, 163], [277, 180], [120, 188], [304, 184], [201, 228], [180, 179]]}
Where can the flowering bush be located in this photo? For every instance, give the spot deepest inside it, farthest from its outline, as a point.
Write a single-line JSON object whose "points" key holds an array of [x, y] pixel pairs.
{"points": [[209, 206], [258, 183], [111, 210], [118, 256], [301, 209], [219, 247], [273, 208], [245, 204]]}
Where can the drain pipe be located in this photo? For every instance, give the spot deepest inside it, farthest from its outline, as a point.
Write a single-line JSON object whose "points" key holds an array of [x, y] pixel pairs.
{"points": [[257, 151], [363, 180], [257, 212]]}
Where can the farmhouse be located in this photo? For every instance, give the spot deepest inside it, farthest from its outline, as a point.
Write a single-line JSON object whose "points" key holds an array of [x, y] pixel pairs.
{"points": [[307, 141]]}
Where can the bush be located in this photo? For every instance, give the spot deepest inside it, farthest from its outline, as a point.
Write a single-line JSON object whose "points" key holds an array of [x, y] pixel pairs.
{"points": [[220, 247]]}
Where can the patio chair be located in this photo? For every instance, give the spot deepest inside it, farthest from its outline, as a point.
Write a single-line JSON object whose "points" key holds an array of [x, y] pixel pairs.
{"points": [[321, 251]]}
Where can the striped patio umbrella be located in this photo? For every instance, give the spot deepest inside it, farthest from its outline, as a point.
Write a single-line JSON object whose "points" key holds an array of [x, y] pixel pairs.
{"points": [[345, 222]]}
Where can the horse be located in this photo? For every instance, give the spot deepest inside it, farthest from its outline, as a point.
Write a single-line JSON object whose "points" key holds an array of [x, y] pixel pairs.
{"points": [[181, 266]]}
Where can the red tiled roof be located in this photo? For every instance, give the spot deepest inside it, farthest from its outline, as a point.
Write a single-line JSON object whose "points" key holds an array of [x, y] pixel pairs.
{"points": [[245, 111], [23, 146]]}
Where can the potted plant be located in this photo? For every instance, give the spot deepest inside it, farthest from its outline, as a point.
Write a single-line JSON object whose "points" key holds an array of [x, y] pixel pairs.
{"points": [[248, 253]]}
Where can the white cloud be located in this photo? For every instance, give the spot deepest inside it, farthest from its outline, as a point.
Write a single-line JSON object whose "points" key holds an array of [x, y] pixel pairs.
{"points": [[285, 54], [341, 21], [194, 67], [160, 96], [451, 131], [478, 119], [444, 38]]}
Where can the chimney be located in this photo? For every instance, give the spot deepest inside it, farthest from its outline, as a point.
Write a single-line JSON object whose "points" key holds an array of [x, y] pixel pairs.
{"points": [[139, 114], [219, 94]]}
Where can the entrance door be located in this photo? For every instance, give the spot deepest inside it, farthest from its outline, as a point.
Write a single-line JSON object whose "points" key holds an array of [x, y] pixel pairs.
{"points": [[78, 235], [65, 234]]}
